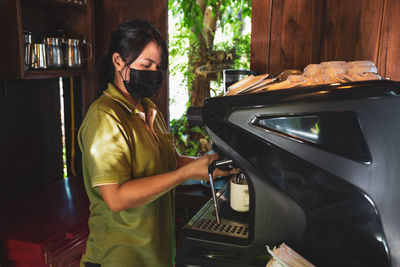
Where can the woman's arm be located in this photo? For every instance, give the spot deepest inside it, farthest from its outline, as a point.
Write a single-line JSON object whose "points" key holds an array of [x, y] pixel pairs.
{"points": [[138, 192], [183, 160]]}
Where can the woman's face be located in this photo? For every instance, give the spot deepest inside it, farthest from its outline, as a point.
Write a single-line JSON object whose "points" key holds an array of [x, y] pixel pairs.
{"points": [[149, 59]]}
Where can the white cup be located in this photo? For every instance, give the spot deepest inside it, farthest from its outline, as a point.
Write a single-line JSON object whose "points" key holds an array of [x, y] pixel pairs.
{"points": [[239, 199]]}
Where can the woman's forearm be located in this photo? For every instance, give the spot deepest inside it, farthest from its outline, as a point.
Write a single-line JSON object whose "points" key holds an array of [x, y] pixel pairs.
{"points": [[183, 160], [138, 192]]}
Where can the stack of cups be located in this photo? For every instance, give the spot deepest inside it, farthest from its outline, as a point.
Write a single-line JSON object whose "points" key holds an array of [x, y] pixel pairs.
{"points": [[313, 75], [361, 67], [332, 69], [363, 70]]}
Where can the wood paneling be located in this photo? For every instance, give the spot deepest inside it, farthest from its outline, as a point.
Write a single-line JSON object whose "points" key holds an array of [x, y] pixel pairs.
{"points": [[15, 141], [11, 49], [30, 140], [389, 52], [260, 16], [313, 31], [45, 123], [110, 13], [351, 32], [295, 35], [85, 25]]}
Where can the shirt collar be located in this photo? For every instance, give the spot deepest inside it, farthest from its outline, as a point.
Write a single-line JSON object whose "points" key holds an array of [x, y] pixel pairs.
{"points": [[113, 93]]}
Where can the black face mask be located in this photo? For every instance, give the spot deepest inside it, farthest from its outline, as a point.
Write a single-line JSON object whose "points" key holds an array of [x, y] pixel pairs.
{"points": [[143, 83]]}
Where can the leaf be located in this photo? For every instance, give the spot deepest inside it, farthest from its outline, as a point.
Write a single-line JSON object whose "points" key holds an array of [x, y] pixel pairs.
{"points": [[196, 129]]}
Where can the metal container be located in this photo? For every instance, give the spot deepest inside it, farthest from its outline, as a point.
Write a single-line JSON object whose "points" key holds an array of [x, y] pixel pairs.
{"points": [[38, 56], [54, 54], [27, 48], [73, 52]]}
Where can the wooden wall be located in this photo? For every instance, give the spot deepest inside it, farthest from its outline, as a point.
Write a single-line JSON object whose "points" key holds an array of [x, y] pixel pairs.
{"points": [[294, 33], [110, 13], [30, 136], [284, 34], [389, 43]]}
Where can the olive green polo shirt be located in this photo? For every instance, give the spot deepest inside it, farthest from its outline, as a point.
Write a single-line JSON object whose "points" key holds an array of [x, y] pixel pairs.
{"points": [[116, 147]]}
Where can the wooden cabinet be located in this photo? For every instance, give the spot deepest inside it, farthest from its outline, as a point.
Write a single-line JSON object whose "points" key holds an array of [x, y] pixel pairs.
{"points": [[43, 18], [46, 228]]}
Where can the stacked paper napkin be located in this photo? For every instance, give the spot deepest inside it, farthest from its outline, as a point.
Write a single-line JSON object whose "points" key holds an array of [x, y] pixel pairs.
{"points": [[284, 256]]}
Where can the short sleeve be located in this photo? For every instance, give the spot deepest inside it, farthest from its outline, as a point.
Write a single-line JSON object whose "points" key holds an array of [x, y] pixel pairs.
{"points": [[105, 149]]}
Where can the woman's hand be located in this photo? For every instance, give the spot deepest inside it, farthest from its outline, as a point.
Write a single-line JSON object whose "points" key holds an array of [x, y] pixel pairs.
{"points": [[198, 168]]}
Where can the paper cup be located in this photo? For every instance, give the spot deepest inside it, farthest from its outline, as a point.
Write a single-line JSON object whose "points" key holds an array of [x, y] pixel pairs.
{"points": [[239, 199]]}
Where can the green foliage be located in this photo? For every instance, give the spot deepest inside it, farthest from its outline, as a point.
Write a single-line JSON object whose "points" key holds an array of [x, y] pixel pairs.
{"points": [[186, 42], [192, 16], [184, 141]]}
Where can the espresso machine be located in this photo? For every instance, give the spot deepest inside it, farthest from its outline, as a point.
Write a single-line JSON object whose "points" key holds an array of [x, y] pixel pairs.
{"points": [[323, 172]]}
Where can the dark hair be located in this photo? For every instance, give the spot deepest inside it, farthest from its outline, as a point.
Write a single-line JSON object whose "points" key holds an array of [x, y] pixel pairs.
{"points": [[129, 40]]}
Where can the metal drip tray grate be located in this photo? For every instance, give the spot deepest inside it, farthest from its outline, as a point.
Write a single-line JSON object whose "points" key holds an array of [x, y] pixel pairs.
{"points": [[228, 229], [234, 225]]}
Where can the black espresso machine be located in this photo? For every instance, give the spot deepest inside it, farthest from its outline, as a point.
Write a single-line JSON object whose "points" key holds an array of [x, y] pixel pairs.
{"points": [[323, 170]]}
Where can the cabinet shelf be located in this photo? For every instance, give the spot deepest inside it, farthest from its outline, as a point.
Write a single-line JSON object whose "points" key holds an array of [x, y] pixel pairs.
{"points": [[54, 73], [64, 3], [42, 18]]}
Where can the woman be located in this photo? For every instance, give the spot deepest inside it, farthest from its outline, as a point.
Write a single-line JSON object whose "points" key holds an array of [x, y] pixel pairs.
{"points": [[129, 160]]}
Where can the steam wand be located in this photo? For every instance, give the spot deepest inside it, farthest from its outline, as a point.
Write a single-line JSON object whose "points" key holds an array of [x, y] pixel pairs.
{"points": [[224, 165]]}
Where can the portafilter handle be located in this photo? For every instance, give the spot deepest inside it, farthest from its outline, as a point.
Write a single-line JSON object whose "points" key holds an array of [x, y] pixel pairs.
{"points": [[225, 165]]}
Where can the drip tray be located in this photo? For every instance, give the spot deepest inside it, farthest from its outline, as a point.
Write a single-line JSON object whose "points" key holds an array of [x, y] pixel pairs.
{"points": [[233, 223], [225, 228]]}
